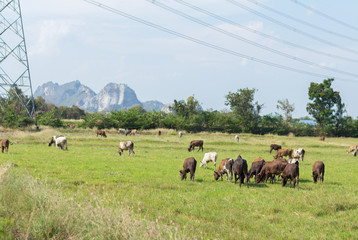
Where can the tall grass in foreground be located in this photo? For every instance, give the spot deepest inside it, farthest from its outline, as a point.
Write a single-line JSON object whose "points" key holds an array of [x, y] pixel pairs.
{"points": [[31, 209]]}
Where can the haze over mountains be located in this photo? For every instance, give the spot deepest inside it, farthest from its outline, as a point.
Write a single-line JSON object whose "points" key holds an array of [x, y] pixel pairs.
{"points": [[112, 97]]}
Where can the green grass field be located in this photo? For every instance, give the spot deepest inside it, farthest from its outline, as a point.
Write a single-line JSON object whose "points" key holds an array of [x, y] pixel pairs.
{"points": [[91, 174]]}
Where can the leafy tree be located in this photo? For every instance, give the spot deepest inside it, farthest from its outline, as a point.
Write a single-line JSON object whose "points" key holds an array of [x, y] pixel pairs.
{"points": [[246, 110], [287, 108], [186, 109], [326, 106]]}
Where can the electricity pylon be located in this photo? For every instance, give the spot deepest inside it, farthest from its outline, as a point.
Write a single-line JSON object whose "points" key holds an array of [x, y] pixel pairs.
{"points": [[14, 64]]}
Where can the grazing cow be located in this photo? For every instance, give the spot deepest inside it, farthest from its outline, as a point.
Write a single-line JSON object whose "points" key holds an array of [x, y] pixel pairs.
{"points": [[59, 141], [209, 157], [126, 146], [101, 133], [291, 172], [298, 154], [237, 138], [255, 169], [318, 171], [284, 152], [196, 143], [180, 134], [352, 148], [188, 166], [270, 169], [131, 132], [5, 145], [224, 168], [322, 138], [121, 131], [274, 147], [240, 170]]}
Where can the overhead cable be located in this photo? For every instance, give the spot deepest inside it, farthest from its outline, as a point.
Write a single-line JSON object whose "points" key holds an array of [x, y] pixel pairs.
{"points": [[325, 15], [301, 21], [236, 3], [209, 45], [196, 20]]}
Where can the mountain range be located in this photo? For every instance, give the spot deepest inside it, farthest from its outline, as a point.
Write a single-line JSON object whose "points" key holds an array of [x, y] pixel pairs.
{"points": [[112, 97]]}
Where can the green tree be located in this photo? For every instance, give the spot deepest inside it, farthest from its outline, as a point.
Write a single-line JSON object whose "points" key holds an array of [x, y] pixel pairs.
{"points": [[186, 109], [287, 108], [246, 110], [326, 106]]}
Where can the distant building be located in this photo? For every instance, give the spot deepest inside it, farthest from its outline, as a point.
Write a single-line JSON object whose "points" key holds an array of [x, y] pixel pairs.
{"points": [[310, 122]]}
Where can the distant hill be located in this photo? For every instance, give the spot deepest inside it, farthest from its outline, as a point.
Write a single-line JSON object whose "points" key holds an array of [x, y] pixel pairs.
{"points": [[112, 97]]}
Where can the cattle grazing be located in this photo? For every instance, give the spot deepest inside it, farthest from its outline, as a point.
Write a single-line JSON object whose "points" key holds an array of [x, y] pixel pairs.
{"points": [[237, 138], [196, 143], [59, 141], [121, 131], [101, 133], [274, 147], [255, 169], [188, 166], [159, 133], [284, 152], [180, 134], [322, 138], [318, 171], [131, 132], [240, 170], [299, 154], [270, 169], [209, 157], [5, 145], [224, 168], [128, 145], [352, 148], [291, 172]]}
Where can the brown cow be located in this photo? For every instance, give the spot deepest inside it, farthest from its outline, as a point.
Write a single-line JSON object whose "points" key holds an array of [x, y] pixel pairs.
{"points": [[291, 172], [352, 148], [322, 138], [159, 133], [284, 152], [196, 143], [274, 147], [131, 132], [4, 145], [256, 167], [270, 169], [101, 133], [318, 171], [240, 170], [188, 166], [258, 159], [224, 168]]}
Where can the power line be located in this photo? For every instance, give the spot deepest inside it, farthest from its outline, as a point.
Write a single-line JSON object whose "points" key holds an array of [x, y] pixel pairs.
{"points": [[261, 33], [290, 27], [301, 21], [225, 50], [177, 12], [325, 15]]}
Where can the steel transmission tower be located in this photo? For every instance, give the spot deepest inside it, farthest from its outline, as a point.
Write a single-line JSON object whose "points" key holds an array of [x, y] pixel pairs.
{"points": [[14, 64]]}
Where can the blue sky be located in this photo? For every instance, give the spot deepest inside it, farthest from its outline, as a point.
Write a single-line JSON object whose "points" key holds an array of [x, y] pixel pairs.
{"points": [[74, 40]]}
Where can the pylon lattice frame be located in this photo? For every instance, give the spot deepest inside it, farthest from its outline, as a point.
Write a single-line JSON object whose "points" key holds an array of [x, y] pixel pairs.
{"points": [[14, 64]]}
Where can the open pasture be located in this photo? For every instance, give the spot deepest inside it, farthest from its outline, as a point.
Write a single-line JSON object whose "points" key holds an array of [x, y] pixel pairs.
{"points": [[149, 183]]}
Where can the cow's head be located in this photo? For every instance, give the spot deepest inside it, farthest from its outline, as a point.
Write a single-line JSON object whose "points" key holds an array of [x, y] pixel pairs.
{"points": [[189, 149], [201, 164], [182, 174], [216, 175], [51, 141]]}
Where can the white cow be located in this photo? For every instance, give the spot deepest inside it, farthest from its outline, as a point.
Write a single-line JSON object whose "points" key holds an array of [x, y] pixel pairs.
{"points": [[180, 134], [237, 138], [298, 153], [126, 146], [121, 131], [59, 141], [209, 157]]}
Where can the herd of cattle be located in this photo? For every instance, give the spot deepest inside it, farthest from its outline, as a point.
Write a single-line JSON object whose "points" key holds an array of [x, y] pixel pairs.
{"points": [[262, 170]]}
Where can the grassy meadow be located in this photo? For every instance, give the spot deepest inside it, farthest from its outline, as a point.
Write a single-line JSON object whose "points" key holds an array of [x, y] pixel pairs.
{"points": [[90, 191]]}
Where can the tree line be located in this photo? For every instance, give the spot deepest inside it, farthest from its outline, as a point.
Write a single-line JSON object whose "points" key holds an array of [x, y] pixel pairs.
{"points": [[325, 107]]}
